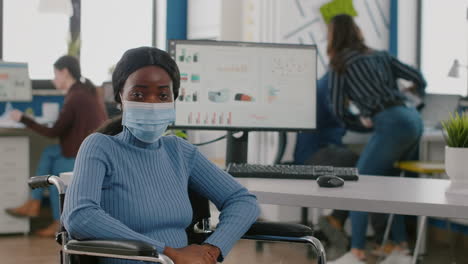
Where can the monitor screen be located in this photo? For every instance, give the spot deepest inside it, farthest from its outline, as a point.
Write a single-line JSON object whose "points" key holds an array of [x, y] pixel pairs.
{"points": [[245, 86], [15, 84]]}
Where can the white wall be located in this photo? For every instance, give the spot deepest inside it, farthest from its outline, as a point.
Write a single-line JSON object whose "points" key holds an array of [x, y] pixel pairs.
{"points": [[444, 38], [437, 105], [204, 19], [290, 21], [161, 16], [407, 31], [232, 13]]}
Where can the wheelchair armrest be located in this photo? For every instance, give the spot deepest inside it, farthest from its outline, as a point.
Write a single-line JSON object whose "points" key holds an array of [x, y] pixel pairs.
{"points": [[285, 232], [113, 247], [279, 229]]}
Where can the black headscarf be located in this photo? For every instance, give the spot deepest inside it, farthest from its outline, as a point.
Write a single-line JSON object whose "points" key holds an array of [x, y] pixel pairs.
{"points": [[137, 58]]}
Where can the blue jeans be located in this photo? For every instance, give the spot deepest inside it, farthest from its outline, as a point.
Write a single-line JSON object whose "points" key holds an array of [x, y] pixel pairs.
{"points": [[52, 162], [397, 131]]}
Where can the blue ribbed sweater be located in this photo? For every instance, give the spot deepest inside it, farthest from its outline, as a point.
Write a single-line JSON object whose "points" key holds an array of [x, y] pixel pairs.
{"points": [[123, 188]]}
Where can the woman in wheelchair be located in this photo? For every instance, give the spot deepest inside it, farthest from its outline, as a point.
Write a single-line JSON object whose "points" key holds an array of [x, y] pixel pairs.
{"points": [[131, 183]]}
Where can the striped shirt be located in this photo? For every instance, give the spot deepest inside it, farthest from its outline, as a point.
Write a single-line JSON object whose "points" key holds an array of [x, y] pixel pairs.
{"points": [[123, 188], [370, 82]]}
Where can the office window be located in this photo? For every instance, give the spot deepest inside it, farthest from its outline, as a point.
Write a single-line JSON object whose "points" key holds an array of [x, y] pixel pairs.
{"points": [[34, 37], [108, 29], [444, 30]]}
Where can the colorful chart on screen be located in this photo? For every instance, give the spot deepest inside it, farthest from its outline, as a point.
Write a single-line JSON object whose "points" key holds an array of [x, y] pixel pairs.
{"points": [[250, 86], [15, 84]]}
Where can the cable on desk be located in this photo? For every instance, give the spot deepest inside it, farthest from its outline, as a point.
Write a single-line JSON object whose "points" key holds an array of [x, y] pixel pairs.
{"points": [[211, 141]]}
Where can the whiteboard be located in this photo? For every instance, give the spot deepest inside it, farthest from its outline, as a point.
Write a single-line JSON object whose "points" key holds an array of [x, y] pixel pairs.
{"points": [[301, 22], [249, 86], [15, 84]]}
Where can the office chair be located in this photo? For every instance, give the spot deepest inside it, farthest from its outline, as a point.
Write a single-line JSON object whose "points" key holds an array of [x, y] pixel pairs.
{"points": [[80, 252]]}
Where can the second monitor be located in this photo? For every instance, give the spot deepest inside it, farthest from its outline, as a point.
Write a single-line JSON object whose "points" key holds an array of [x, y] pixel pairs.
{"points": [[245, 86]]}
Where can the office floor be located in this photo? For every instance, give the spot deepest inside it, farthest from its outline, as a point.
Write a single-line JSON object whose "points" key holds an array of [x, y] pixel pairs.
{"points": [[30, 249]]}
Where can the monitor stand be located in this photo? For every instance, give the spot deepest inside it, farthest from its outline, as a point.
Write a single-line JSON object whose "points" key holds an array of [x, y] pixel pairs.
{"points": [[237, 147]]}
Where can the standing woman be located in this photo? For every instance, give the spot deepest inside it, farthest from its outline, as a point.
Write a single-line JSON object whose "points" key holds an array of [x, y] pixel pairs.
{"points": [[368, 79], [81, 114]]}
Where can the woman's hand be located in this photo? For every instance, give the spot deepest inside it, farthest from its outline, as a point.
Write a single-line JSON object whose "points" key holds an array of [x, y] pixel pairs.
{"points": [[193, 254], [212, 250], [16, 115], [366, 122]]}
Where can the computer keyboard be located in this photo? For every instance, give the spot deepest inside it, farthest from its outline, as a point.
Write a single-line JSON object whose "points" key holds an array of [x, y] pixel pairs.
{"points": [[302, 172]]}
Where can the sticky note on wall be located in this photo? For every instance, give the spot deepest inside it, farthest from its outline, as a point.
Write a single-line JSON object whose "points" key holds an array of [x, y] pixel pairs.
{"points": [[337, 7]]}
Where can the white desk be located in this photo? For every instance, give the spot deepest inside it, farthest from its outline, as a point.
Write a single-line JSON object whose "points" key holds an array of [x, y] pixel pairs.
{"points": [[378, 194], [8, 123]]}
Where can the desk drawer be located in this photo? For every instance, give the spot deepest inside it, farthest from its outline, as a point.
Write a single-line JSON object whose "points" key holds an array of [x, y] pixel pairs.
{"points": [[10, 224], [14, 189], [13, 175], [12, 164], [13, 199], [14, 152]]}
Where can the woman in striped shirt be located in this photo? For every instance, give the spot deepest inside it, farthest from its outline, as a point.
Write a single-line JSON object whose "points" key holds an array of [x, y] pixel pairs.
{"points": [[367, 79]]}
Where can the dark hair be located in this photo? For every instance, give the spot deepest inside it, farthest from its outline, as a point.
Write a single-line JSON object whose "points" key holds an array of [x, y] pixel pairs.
{"points": [[131, 61], [346, 36], [73, 66]]}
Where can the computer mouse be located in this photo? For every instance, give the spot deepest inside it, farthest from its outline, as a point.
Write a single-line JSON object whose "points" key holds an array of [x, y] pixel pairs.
{"points": [[330, 181]]}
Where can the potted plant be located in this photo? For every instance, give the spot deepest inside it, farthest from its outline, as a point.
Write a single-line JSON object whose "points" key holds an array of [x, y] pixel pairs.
{"points": [[456, 152]]}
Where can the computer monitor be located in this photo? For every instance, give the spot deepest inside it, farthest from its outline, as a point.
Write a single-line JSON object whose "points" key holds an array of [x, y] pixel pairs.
{"points": [[245, 86], [15, 84], [240, 86], [438, 108]]}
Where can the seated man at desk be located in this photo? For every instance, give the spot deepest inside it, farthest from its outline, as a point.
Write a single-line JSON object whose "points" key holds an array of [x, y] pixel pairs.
{"points": [[324, 146], [81, 114], [329, 130]]}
